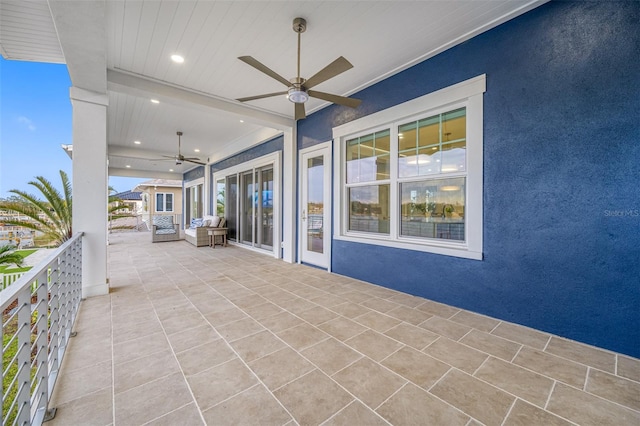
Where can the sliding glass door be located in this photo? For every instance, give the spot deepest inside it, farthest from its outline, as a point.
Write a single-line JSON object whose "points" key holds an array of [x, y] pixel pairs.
{"points": [[248, 205]]}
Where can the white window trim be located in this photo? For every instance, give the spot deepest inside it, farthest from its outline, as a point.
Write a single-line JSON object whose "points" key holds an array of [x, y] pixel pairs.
{"points": [[468, 93], [275, 159], [164, 202]]}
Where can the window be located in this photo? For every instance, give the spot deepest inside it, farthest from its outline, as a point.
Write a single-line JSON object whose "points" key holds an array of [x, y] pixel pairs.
{"points": [[411, 176], [164, 202], [367, 161], [194, 202]]}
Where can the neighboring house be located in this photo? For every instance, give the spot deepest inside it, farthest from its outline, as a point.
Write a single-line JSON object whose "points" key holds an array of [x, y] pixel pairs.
{"points": [[131, 202], [160, 197]]}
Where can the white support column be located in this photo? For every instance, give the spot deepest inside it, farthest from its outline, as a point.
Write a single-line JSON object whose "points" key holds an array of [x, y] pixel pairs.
{"points": [[90, 183], [289, 195]]}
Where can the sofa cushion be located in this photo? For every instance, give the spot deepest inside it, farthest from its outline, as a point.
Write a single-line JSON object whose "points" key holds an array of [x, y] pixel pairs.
{"points": [[165, 231], [163, 222], [197, 223], [215, 222]]}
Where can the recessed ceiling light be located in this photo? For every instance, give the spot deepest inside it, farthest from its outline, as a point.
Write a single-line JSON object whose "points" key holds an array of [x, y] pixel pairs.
{"points": [[170, 170], [128, 166], [196, 150], [137, 142], [177, 59], [242, 121], [155, 101]]}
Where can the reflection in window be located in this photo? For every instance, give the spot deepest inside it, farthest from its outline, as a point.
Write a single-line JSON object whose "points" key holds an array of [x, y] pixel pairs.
{"points": [[433, 145], [369, 209], [433, 208], [368, 157], [220, 197]]}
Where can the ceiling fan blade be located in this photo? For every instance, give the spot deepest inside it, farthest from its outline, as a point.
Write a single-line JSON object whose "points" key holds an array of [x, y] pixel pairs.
{"points": [[195, 161], [268, 95], [261, 67], [335, 68], [170, 157], [336, 99], [300, 114]]}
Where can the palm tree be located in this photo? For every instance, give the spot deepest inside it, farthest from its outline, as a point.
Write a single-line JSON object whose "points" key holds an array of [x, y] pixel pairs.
{"points": [[8, 256], [51, 216]]}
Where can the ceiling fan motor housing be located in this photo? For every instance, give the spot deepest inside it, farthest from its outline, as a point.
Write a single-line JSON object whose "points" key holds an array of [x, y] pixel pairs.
{"points": [[299, 25]]}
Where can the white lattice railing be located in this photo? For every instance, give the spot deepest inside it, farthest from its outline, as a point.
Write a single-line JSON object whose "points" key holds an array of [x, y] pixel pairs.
{"points": [[38, 312]]}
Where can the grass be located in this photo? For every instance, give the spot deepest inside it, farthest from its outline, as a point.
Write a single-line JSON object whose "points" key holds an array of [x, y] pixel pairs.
{"points": [[23, 253]]}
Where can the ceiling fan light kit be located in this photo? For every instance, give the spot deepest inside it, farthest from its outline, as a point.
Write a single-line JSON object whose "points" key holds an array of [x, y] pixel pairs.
{"points": [[297, 96], [298, 88]]}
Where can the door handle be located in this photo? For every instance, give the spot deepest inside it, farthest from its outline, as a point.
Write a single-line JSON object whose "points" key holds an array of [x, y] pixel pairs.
{"points": [[304, 215]]}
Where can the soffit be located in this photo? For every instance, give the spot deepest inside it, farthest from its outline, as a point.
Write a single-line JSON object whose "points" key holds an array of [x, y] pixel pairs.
{"points": [[27, 32]]}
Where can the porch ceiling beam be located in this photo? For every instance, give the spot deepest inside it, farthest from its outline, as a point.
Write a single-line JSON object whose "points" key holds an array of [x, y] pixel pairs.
{"points": [[144, 154], [121, 82], [150, 174]]}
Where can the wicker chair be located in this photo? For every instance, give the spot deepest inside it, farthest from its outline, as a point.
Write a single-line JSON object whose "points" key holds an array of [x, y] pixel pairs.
{"points": [[164, 229]]}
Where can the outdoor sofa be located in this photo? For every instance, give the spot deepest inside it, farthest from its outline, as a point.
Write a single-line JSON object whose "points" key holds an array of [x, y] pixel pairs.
{"points": [[197, 233]]}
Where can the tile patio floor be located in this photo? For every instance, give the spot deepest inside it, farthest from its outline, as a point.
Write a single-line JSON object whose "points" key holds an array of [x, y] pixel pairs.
{"points": [[227, 336]]}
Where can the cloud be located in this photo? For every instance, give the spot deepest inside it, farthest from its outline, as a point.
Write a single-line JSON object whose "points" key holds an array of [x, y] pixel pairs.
{"points": [[24, 120]]}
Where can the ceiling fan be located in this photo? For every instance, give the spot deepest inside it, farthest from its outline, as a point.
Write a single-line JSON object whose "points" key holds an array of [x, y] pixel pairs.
{"points": [[180, 158], [299, 89]]}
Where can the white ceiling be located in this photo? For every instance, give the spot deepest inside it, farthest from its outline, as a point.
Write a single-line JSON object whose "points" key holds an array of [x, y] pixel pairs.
{"points": [[380, 38]]}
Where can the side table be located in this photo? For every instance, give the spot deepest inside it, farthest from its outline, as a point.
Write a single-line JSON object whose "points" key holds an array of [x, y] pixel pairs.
{"points": [[215, 232]]}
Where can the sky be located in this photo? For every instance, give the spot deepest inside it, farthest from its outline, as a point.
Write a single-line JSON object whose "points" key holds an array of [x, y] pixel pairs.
{"points": [[35, 119]]}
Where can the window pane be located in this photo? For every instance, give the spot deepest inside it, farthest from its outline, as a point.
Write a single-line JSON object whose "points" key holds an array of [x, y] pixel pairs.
{"points": [[382, 167], [407, 137], [407, 164], [231, 206], [429, 160], [352, 150], [441, 145], [168, 198], [199, 195], [454, 157], [383, 142], [266, 208], [454, 125], [220, 198], [159, 202], [433, 209], [353, 157], [366, 146], [429, 131], [369, 209], [364, 162]]}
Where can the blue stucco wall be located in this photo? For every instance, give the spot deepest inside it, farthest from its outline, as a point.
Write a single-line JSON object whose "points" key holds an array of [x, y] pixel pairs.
{"points": [[193, 174], [561, 175]]}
